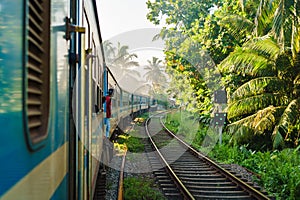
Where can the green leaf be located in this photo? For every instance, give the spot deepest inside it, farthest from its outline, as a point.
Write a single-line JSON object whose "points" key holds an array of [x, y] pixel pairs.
{"points": [[259, 122], [288, 118], [237, 25], [252, 104], [258, 86], [277, 137]]}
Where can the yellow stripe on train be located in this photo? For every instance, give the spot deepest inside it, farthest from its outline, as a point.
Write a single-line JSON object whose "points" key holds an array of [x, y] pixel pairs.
{"points": [[43, 180]]}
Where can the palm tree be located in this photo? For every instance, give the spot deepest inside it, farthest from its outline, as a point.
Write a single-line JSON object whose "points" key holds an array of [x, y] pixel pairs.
{"points": [[119, 60], [109, 51], [268, 103], [155, 74]]}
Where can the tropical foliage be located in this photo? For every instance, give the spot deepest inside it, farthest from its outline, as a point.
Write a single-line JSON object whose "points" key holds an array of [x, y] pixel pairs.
{"points": [[268, 102], [155, 74], [255, 46], [278, 171]]}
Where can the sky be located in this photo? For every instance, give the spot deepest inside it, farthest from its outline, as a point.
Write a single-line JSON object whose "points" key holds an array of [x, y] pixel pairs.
{"points": [[125, 21], [118, 16]]}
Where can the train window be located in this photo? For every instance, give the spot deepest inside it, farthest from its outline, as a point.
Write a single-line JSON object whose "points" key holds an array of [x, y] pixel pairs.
{"points": [[100, 67], [99, 98], [37, 72], [94, 65]]}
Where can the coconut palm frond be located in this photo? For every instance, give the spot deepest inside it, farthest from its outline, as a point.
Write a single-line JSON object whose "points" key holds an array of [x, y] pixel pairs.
{"points": [[240, 134], [249, 57], [286, 25], [252, 104], [282, 24], [155, 76], [122, 58], [265, 119], [268, 104], [154, 72], [132, 56], [291, 113], [278, 21], [226, 65], [237, 25], [256, 58], [122, 50], [277, 137], [155, 62], [129, 62], [265, 45], [259, 122], [132, 72], [246, 121], [263, 19], [295, 43], [288, 118], [258, 86], [109, 50], [248, 62]]}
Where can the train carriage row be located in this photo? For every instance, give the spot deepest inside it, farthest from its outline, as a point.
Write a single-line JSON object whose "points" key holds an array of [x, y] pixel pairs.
{"points": [[52, 79], [125, 104]]}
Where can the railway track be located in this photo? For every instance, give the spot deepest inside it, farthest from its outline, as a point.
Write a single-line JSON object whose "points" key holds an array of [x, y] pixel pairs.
{"points": [[101, 184], [100, 191], [184, 173]]}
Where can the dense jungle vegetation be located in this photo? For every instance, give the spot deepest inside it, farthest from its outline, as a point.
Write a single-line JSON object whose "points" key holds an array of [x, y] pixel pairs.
{"points": [[254, 53], [278, 171]]}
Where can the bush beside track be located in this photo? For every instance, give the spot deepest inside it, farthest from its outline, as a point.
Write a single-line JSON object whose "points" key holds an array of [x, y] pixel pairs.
{"points": [[138, 186], [279, 171], [141, 188]]}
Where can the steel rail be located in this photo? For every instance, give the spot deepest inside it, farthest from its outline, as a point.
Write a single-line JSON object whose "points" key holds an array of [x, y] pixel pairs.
{"points": [[121, 178], [252, 191], [177, 181]]}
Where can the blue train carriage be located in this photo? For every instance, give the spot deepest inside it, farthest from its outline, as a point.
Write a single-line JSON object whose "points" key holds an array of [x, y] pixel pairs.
{"points": [[92, 83], [121, 105], [34, 100], [135, 104], [144, 103], [124, 110], [153, 104], [124, 104], [44, 157], [139, 104]]}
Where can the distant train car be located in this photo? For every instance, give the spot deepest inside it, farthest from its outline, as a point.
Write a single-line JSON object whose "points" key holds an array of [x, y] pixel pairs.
{"points": [[124, 104], [52, 80]]}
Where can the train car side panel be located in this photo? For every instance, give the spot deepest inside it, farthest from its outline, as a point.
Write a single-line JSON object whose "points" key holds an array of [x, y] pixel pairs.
{"points": [[36, 157]]}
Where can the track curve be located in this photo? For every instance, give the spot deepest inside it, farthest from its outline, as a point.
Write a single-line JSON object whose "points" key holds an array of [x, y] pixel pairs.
{"points": [[193, 174]]}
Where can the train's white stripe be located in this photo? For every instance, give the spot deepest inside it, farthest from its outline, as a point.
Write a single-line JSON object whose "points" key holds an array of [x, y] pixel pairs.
{"points": [[43, 180]]}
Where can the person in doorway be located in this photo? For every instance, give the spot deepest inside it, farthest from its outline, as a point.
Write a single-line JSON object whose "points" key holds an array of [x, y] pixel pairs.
{"points": [[108, 111]]}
